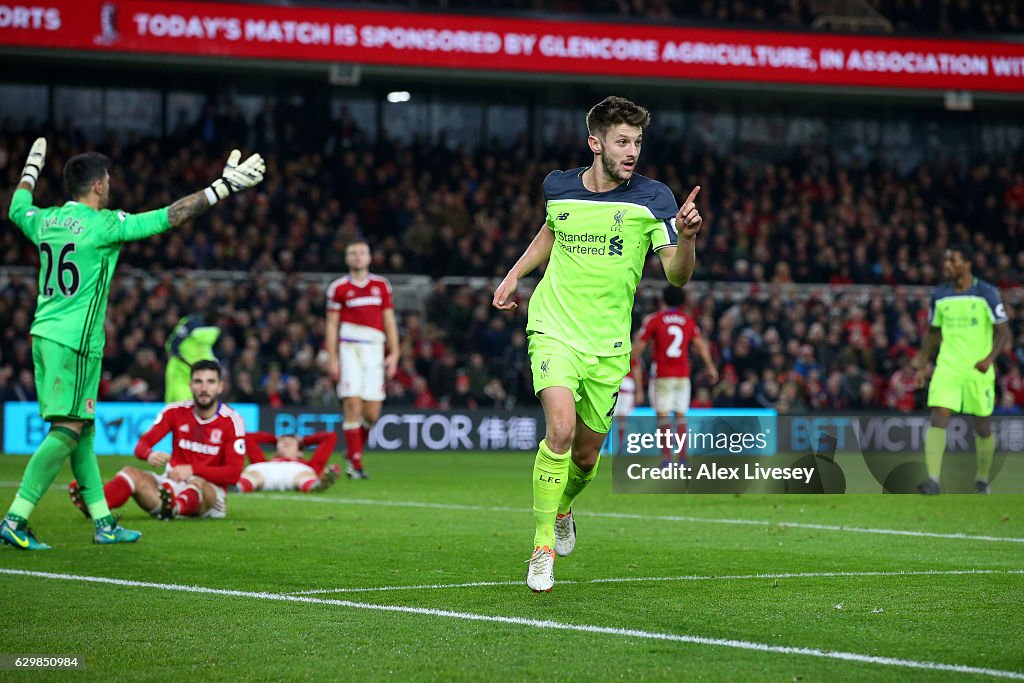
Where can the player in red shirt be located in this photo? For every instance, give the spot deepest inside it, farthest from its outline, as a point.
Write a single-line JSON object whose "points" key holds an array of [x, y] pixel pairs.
{"points": [[288, 470], [207, 456], [360, 319], [669, 333]]}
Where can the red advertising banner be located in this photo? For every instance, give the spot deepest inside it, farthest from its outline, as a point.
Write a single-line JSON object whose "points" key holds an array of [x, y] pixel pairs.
{"points": [[518, 45]]}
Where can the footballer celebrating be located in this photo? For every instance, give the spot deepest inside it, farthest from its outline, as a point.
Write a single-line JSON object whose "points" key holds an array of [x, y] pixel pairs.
{"points": [[207, 456], [79, 244], [968, 327], [602, 221], [360, 321], [287, 470], [669, 333]]}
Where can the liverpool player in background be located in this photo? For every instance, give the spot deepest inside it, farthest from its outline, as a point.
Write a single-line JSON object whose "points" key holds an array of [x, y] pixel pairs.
{"points": [[669, 333], [207, 456], [360, 321], [601, 223], [968, 327], [288, 470], [191, 340], [79, 243]]}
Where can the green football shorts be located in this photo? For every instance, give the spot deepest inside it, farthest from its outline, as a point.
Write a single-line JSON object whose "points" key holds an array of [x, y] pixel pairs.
{"points": [[970, 393], [593, 380], [66, 381]]}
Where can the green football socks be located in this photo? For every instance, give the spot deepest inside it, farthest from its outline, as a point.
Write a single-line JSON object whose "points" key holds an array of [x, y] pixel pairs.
{"points": [[985, 446], [578, 480], [87, 473], [42, 469], [934, 448], [550, 474]]}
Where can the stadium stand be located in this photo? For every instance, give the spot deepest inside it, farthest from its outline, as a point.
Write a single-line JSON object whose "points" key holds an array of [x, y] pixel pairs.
{"points": [[853, 206]]}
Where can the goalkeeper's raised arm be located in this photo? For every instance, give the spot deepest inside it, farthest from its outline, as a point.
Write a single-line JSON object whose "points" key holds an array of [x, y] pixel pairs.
{"points": [[235, 178], [88, 183]]}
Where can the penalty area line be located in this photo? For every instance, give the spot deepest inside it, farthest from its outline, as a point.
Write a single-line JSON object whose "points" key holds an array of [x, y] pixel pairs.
{"points": [[539, 624]]}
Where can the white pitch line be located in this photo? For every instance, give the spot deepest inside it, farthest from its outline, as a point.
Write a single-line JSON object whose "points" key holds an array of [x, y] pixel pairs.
{"points": [[651, 518], [543, 624], [421, 586], [691, 577]]}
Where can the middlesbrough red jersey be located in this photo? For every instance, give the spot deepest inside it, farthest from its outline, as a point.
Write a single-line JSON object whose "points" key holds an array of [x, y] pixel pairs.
{"points": [[324, 442], [669, 333], [361, 307], [215, 448]]}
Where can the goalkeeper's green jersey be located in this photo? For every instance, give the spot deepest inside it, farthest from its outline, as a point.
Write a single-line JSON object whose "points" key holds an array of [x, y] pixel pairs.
{"points": [[78, 250], [966, 319], [602, 240]]}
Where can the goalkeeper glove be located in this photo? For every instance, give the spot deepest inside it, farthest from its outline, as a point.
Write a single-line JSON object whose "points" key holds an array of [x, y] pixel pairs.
{"points": [[36, 157], [236, 177]]}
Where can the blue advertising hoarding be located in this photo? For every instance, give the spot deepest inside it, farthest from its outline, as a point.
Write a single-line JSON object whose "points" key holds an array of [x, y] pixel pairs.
{"points": [[118, 426]]}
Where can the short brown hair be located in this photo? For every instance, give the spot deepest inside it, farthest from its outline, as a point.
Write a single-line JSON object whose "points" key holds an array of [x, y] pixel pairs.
{"points": [[612, 111]]}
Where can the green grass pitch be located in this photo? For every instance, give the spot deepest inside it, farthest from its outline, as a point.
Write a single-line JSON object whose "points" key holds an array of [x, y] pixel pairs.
{"points": [[444, 519]]}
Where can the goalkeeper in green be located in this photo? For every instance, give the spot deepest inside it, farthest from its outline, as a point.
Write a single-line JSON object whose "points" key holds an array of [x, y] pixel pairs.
{"points": [[79, 244], [602, 221], [968, 327]]}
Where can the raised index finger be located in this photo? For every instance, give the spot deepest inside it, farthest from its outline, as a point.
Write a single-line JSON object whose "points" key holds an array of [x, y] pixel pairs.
{"points": [[693, 194]]}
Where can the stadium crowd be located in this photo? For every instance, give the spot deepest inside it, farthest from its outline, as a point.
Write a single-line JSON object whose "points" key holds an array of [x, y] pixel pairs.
{"points": [[813, 216], [824, 213], [793, 353]]}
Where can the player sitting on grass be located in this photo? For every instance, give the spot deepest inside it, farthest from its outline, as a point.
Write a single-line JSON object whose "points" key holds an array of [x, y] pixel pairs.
{"points": [[287, 470], [207, 456]]}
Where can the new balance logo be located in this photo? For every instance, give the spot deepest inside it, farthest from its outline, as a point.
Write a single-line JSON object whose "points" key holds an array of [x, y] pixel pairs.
{"points": [[615, 246], [563, 216]]}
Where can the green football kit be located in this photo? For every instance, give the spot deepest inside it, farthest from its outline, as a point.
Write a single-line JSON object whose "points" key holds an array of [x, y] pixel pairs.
{"points": [[78, 250], [581, 313], [966, 320], [190, 342]]}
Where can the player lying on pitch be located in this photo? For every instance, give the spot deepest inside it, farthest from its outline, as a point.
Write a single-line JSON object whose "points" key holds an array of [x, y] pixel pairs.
{"points": [[207, 456], [287, 470]]}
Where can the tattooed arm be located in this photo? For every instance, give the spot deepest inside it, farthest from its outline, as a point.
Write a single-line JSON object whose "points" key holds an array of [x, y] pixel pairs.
{"points": [[187, 208], [237, 176]]}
